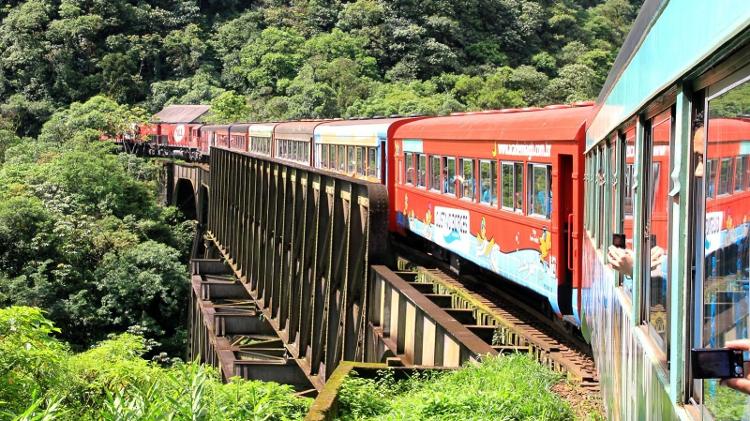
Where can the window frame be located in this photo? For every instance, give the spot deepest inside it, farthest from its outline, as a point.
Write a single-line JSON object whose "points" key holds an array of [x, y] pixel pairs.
{"points": [[449, 188], [492, 176], [464, 183], [431, 186], [420, 170], [531, 168]]}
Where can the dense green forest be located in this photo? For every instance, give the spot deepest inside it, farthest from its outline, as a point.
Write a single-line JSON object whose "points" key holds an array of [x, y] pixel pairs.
{"points": [[275, 59]]}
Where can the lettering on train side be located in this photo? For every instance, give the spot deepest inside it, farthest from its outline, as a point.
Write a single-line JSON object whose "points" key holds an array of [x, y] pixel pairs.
{"points": [[713, 222], [524, 150], [659, 150], [452, 219]]}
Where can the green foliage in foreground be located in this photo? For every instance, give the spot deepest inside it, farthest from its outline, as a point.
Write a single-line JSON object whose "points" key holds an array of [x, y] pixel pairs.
{"points": [[40, 379], [503, 388]]}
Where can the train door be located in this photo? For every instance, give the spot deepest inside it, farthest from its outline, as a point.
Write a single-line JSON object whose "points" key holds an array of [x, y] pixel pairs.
{"points": [[565, 220]]}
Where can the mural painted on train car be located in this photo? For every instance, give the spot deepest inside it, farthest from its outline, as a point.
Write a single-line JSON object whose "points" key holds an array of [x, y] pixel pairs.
{"points": [[524, 258]]}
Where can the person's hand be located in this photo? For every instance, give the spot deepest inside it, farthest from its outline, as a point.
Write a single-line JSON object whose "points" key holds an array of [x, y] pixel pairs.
{"points": [[621, 260], [742, 385]]}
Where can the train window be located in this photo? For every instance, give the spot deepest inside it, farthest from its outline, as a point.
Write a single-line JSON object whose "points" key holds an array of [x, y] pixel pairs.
{"points": [[726, 244], [360, 160], [409, 167], [540, 194], [324, 156], [600, 191], [372, 162], [421, 162], [740, 169], [435, 173], [467, 179], [449, 176], [341, 159], [507, 174], [513, 186], [657, 221], [488, 182], [614, 181], [351, 163], [725, 176], [711, 165], [629, 175]]}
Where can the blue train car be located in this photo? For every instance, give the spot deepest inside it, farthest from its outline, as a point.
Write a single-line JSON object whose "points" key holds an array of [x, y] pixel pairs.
{"points": [[668, 166]]}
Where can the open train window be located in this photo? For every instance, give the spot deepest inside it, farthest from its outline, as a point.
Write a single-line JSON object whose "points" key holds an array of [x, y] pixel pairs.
{"points": [[488, 182], [539, 190], [512, 183], [421, 170], [409, 167], [332, 157], [449, 176], [657, 224], [467, 179], [615, 174], [435, 173], [341, 159]]}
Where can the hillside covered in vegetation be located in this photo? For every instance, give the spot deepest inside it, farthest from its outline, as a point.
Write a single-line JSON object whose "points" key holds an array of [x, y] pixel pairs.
{"points": [[275, 59]]}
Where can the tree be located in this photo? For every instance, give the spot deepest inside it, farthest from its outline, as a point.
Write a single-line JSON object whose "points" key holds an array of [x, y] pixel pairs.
{"points": [[268, 62], [575, 82], [185, 49], [101, 115], [228, 107]]}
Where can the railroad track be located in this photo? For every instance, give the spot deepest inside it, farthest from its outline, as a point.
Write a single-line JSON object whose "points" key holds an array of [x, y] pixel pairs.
{"points": [[519, 326]]}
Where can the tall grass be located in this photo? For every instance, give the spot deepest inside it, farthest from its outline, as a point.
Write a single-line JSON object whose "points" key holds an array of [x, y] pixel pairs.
{"points": [[499, 388]]}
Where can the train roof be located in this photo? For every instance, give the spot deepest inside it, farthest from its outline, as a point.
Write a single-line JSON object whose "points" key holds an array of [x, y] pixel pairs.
{"points": [[366, 132], [262, 129], [180, 114], [296, 130], [553, 123], [728, 129], [239, 128], [215, 127]]}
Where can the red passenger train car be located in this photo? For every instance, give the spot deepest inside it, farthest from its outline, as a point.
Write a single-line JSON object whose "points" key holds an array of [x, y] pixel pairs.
{"points": [[483, 187]]}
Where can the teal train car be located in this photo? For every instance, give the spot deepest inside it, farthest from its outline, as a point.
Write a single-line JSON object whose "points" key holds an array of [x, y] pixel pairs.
{"points": [[667, 167]]}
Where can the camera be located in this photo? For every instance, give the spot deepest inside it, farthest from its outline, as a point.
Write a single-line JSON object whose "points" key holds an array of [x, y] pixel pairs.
{"points": [[721, 363]]}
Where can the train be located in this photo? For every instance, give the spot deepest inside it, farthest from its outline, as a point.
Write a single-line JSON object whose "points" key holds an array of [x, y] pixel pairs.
{"points": [[629, 217], [479, 189]]}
